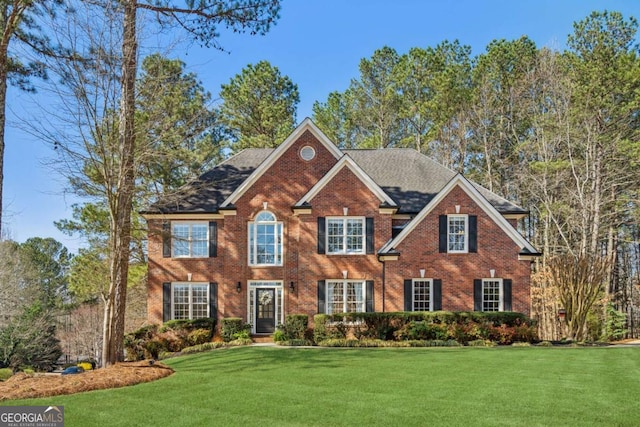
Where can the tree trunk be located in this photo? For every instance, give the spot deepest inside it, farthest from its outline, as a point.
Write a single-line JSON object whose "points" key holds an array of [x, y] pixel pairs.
{"points": [[113, 349]]}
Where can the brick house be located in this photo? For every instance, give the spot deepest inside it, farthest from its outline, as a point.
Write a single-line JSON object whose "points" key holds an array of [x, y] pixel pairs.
{"points": [[310, 228]]}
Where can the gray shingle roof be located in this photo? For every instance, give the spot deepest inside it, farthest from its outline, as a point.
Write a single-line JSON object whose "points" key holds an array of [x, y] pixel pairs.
{"points": [[411, 179]]}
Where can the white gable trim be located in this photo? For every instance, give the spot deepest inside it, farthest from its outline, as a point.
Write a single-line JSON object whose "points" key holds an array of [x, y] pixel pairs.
{"points": [[306, 124], [347, 162], [474, 194]]}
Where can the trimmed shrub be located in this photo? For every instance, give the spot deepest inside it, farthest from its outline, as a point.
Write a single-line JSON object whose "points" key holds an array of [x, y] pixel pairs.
{"points": [[230, 326], [421, 330], [329, 327], [5, 373], [295, 327]]}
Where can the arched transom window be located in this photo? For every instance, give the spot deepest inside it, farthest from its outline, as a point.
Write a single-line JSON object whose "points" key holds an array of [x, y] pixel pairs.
{"points": [[265, 240]]}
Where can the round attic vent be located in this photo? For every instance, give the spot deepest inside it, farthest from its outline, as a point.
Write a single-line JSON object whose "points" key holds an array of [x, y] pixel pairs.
{"points": [[307, 153]]}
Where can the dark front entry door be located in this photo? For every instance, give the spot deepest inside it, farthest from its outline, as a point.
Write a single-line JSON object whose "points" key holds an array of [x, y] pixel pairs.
{"points": [[266, 311]]}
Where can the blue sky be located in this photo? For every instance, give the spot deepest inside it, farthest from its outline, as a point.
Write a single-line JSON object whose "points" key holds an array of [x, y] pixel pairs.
{"points": [[318, 44]]}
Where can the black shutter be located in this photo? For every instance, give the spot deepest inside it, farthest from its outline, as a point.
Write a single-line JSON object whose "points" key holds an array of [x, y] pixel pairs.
{"points": [[369, 232], [506, 294], [369, 304], [213, 239], [322, 291], [166, 239], [321, 235], [437, 294], [408, 295], [443, 233], [213, 300], [166, 302], [473, 233], [477, 294]]}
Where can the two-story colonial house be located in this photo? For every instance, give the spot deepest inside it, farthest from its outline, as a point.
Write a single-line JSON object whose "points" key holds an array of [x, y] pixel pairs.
{"points": [[310, 228]]}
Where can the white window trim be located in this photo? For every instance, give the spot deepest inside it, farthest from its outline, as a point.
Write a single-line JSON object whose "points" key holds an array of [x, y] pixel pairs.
{"points": [[363, 219], [279, 245], [413, 292], [190, 239], [253, 286], [190, 285], [466, 233], [501, 292], [363, 283]]}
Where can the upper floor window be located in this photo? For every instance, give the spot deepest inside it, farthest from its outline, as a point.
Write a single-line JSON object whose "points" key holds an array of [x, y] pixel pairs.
{"points": [[345, 235], [189, 239], [265, 240], [457, 232]]}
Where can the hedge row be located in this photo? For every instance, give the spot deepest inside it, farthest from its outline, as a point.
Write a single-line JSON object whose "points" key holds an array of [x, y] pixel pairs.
{"points": [[461, 327]]}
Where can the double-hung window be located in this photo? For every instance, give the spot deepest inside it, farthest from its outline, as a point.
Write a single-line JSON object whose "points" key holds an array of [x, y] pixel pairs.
{"points": [[457, 234], [190, 300], [190, 239], [265, 240], [346, 235], [422, 295], [345, 296], [492, 295]]}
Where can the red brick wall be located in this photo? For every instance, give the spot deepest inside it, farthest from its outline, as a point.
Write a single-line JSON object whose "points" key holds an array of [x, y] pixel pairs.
{"points": [[420, 250], [284, 184]]}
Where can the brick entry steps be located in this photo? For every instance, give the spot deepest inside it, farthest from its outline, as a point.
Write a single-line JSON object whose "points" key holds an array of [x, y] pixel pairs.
{"points": [[262, 339]]}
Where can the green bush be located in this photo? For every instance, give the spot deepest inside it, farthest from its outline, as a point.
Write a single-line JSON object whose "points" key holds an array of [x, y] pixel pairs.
{"points": [[278, 336], [5, 373], [328, 327], [295, 327], [150, 341], [198, 336], [502, 327], [230, 326], [421, 330]]}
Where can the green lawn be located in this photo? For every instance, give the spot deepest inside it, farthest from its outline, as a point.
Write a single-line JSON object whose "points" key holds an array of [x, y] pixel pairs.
{"points": [[273, 386]]}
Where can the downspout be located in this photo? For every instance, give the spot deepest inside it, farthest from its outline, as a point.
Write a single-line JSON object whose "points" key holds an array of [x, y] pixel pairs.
{"points": [[384, 281]]}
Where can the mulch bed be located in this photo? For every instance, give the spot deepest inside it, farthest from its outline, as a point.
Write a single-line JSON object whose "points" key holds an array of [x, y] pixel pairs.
{"points": [[23, 386]]}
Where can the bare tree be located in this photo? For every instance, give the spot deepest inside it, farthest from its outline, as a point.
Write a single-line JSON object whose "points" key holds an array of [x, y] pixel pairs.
{"points": [[580, 282]]}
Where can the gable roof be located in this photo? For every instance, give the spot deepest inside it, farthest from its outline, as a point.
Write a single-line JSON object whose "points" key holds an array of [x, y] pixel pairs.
{"points": [[410, 179], [460, 181], [347, 162], [306, 125]]}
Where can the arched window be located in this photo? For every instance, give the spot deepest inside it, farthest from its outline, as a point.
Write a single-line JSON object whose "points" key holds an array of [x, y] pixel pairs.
{"points": [[265, 240]]}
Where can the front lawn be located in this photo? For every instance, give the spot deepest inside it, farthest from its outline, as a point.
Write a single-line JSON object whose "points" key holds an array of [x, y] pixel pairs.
{"points": [[273, 386]]}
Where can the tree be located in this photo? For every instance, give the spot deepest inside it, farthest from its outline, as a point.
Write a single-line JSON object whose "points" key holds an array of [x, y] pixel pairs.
{"points": [[30, 341], [180, 135], [500, 120], [18, 281], [259, 107], [580, 283], [19, 24], [377, 101], [336, 119], [435, 85], [102, 81], [50, 260]]}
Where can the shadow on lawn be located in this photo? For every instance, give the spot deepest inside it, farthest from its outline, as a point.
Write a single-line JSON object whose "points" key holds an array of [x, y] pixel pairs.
{"points": [[265, 359]]}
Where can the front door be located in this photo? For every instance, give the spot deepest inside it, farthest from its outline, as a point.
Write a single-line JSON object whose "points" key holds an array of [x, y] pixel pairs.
{"points": [[266, 311]]}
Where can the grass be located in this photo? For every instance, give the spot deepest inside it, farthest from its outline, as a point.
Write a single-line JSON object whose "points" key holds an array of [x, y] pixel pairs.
{"points": [[257, 386]]}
